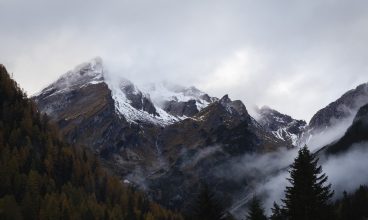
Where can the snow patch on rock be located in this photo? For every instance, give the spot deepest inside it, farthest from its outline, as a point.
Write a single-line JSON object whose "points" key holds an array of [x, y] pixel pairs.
{"points": [[164, 92]]}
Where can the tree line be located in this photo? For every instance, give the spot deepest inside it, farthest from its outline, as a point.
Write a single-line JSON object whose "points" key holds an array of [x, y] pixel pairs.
{"points": [[307, 197]]}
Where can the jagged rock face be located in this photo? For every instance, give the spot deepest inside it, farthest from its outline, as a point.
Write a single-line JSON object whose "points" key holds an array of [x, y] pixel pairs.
{"points": [[82, 104], [356, 133], [177, 100], [335, 118], [282, 126], [224, 122], [53, 99], [215, 124], [137, 99], [343, 107], [88, 117], [197, 146], [176, 108]]}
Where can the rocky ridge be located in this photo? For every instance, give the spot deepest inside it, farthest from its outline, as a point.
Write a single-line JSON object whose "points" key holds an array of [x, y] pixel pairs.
{"points": [[154, 136], [282, 126]]}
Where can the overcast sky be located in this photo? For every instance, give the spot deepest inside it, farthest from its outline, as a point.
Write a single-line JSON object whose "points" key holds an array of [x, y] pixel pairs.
{"points": [[295, 56]]}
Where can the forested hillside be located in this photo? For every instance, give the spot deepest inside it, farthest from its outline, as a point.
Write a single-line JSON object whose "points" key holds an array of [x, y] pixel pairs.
{"points": [[41, 177]]}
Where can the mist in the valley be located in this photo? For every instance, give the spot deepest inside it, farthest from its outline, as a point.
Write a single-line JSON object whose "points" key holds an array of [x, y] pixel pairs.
{"points": [[324, 136], [268, 173], [191, 160], [348, 170]]}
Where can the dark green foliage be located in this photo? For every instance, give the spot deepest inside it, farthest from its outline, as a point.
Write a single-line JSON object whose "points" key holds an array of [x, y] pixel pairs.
{"points": [[9, 209], [41, 177], [277, 212], [256, 211], [354, 206], [308, 196], [206, 206]]}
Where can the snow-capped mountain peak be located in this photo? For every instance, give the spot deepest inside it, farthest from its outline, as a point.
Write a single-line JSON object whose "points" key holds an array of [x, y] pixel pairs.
{"points": [[178, 100], [165, 91], [233, 107], [169, 102], [90, 72], [135, 105], [280, 125]]}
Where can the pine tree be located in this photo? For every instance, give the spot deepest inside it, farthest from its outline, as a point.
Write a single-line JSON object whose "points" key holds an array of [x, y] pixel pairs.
{"points": [[353, 206], [277, 212], [308, 197], [359, 203], [256, 211], [345, 209], [206, 206]]}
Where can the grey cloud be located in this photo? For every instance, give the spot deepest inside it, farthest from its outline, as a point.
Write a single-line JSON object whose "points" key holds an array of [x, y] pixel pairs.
{"points": [[295, 56]]}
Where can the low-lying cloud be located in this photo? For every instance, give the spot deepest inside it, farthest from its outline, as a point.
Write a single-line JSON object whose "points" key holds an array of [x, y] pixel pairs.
{"points": [[269, 172], [348, 170]]}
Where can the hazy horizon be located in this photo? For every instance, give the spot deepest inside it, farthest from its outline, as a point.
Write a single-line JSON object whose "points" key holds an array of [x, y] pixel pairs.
{"points": [[294, 56]]}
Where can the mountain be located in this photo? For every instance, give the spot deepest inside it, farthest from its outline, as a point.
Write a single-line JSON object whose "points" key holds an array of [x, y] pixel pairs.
{"points": [[43, 177], [178, 100], [345, 106], [171, 103], [162, 137], [198, 148], [129, 102], [356, 133], [330, 123], [113, 116], [280, 125], [327, 125], [88, 112]]}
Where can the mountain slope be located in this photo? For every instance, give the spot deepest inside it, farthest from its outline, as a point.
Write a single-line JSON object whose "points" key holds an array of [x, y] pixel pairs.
{"points": [[330, 123], [348, 104], [356, 133], [163, 139], [178, 100], [129, 102], [282, 126], [196, 147], [114, 117], [88, 114], [42, 177]]}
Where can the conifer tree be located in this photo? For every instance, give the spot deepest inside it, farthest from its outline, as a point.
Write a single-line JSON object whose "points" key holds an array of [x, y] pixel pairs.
{"points": [[277, 212], [345, 209], [359, 203], [256, 211], [354, 205], [308, 196], [206, 206]]}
